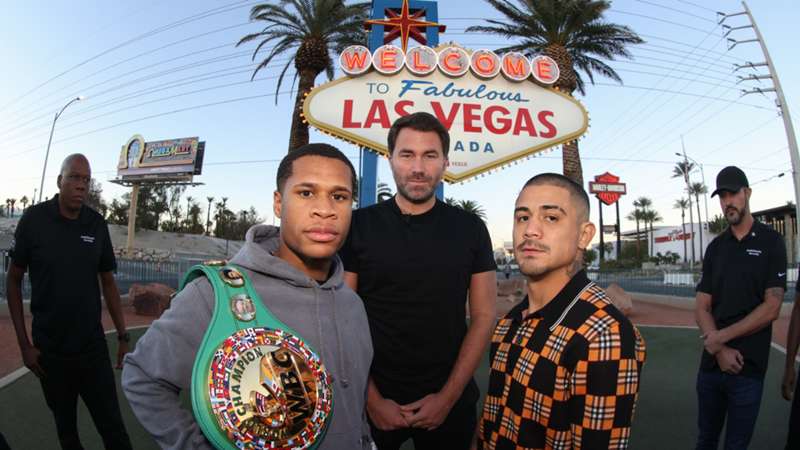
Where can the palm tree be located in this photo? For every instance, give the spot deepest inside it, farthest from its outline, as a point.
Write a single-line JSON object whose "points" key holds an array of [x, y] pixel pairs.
{"points": [[24, 200], [208, 216], [573, 33], [473, 207], [718, 224], [682, 204], [309, 31], [650, 216], [636, 216], [12, 201], [470, 206], [682, 169], [696, 189], [643, 204]]}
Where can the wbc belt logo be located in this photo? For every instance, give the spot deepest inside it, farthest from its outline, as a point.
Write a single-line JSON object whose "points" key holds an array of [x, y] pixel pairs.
{"points": [[268, 390]]}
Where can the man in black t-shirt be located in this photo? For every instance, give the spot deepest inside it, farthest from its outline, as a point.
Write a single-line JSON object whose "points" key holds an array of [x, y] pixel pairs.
{"points": [[738, 298], [414, 261], [65, 247]]}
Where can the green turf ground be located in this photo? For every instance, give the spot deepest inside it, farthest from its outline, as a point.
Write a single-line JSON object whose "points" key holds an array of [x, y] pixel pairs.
{"points": [[665, 415]]}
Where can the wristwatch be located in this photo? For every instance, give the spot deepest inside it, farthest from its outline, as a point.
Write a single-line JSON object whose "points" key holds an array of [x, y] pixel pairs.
{"points": [[124, 337]]}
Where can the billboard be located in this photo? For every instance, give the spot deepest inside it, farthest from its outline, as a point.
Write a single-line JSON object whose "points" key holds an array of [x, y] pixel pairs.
{"points": [[167, 160], [497, 109]]}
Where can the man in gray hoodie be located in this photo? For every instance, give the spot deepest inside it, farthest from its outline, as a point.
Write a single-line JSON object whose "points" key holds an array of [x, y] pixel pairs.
{"points": [[299, 278]]}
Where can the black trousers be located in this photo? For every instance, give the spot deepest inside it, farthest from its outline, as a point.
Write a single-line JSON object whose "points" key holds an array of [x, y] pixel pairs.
{"points": [[91, 377], [793, 440], [455, 433], [3, 443]]}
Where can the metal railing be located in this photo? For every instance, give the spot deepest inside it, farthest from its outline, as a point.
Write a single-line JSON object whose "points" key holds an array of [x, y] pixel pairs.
{"points": [[677, 283], [659, 282], [129, 272]]}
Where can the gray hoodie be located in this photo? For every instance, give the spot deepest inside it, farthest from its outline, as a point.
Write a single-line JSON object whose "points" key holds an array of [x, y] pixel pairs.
{"points": [[330, 317]]}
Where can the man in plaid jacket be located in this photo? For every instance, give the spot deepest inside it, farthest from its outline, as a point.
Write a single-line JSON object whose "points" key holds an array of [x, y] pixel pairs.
{"points": [[565, 362]]}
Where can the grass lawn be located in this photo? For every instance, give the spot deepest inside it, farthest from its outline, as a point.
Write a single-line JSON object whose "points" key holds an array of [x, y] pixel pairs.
{"points": [[665, 414]]}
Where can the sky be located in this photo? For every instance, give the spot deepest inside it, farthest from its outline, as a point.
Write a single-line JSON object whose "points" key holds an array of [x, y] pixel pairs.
{"points": [[171, 69]]}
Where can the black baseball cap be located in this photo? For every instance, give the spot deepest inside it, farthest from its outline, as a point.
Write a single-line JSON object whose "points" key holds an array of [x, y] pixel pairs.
{"points": [[730, 179]]}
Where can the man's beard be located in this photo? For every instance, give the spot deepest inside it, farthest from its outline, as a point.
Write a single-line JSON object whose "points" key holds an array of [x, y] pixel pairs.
{"points": [[418, 198], [532, 269], [733, 215]]}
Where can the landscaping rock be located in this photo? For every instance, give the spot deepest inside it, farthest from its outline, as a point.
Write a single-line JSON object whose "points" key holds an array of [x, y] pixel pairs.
{"points": [[621, 299], [150, 299]]}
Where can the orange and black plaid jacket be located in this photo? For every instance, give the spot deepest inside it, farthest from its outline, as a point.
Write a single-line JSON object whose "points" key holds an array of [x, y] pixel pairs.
{"points": [[563, 377]]}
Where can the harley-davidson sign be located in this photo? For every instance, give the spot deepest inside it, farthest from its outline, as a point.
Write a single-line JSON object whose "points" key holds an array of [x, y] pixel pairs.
{"points": [[495, 112]]}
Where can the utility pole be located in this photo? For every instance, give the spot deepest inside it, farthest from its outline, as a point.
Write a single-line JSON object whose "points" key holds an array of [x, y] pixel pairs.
{"points": [[780, 101]]}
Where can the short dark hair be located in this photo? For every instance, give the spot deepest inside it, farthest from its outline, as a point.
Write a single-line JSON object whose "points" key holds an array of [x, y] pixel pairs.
{"points": [[575, 190], [420, 121], [323, 150]]}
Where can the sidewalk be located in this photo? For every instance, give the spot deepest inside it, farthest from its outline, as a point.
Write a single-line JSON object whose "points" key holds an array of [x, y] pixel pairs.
{"points": [[10, 358]]}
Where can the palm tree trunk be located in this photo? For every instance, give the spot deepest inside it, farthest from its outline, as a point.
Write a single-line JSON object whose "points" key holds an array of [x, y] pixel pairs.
{"points": [[683, 236], [571, 161], [700, 221], [567, 83], [638, 244], [691, 226], [299, 130]]}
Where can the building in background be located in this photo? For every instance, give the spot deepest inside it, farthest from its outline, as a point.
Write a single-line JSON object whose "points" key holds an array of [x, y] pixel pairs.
{"points": [[784, 220], [664, 238]]}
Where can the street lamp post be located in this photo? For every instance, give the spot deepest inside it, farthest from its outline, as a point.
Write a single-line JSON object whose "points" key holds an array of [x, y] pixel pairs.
{"points": [[49, 141]]}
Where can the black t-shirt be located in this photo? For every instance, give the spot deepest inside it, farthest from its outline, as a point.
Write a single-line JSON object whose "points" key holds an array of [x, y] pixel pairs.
{"points": [[414, 273], [736, 274], [63, 258]]}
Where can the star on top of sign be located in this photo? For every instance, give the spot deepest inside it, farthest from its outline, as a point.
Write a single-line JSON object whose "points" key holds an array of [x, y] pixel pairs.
{"points": [[404, 25]]}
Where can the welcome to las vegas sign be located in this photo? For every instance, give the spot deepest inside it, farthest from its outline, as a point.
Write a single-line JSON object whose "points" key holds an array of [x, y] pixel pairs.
{"points": [[497, 108]]}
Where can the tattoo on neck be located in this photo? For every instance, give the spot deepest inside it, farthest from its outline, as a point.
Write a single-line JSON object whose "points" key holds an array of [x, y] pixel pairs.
{"points": [[574, 268]]}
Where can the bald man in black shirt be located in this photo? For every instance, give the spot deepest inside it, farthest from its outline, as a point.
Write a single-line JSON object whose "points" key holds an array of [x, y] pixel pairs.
{"points": [[66, 248]]}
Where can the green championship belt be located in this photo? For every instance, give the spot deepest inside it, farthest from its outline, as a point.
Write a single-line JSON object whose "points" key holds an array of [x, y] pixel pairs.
{"points": [[255, 383]]}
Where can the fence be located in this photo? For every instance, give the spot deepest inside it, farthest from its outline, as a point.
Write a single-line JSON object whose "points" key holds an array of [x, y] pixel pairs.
{"points": [[660, 282], [131, 272], [674, 283]]}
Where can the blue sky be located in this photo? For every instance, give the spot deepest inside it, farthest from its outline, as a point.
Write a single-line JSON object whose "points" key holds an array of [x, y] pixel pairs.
{"points": [[188, 79]]}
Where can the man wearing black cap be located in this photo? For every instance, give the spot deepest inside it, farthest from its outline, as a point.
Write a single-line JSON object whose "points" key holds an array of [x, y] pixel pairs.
{"points": [[738, 297]]}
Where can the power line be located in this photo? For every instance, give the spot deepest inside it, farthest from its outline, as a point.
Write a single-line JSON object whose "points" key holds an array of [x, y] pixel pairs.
{"points": [[162, 73], [769, 155], [170, 26], [657, 19], [642, 72], [128, 60], [684, 44], [161, 99], [653, 106], [637, 101], [697, 6], [744, 135], [88, 89], [730, 81], [152, 116], [680, 11], [646, 48], [149, 90]]}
